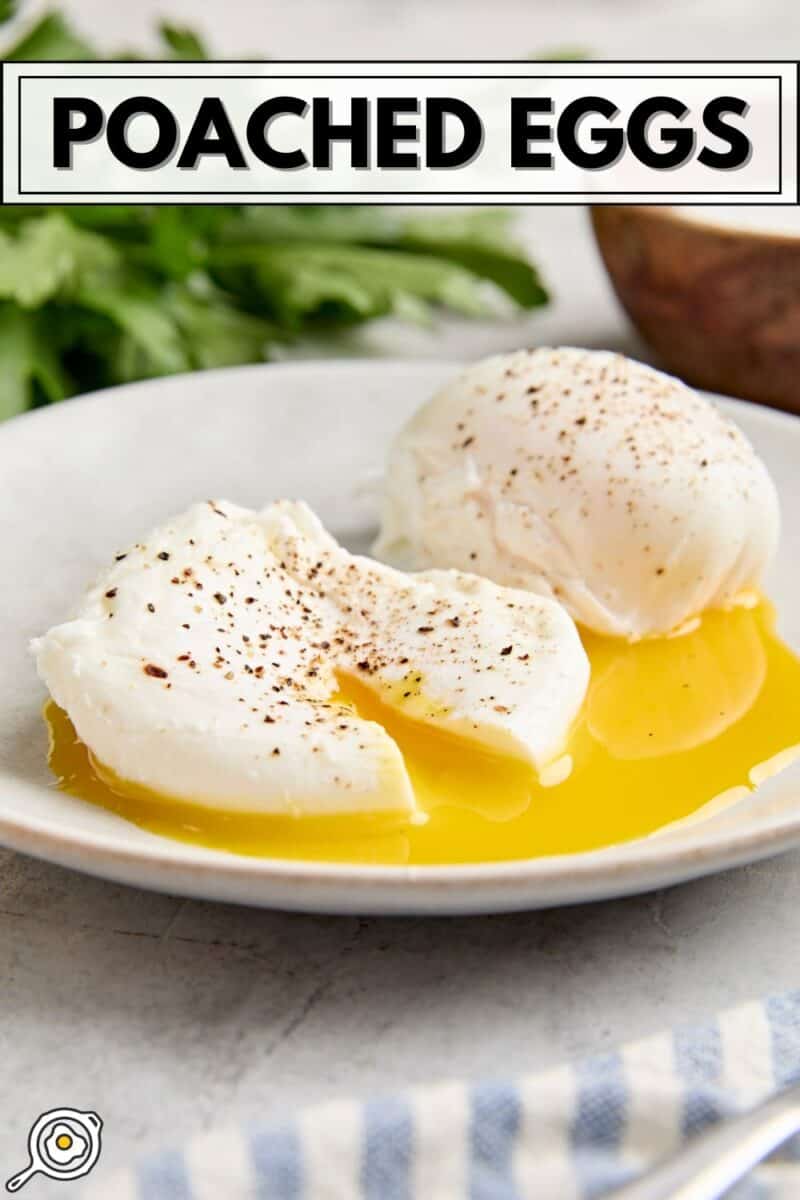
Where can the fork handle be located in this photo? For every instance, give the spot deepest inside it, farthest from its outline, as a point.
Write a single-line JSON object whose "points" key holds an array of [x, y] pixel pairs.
{"points": [[715, 1161]]}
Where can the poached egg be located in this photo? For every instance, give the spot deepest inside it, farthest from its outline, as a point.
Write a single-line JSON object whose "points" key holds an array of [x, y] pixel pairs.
{"points": [[671, 727], [587, 477], [218, 663]]}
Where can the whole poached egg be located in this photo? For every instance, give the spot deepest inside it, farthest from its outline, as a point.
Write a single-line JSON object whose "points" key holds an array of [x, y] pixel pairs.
{"points": [[587, 477], [210, 664]]}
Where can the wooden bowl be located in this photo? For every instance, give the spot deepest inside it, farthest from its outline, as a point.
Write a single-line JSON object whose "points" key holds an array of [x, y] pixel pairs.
{"points": [[720, 305]]}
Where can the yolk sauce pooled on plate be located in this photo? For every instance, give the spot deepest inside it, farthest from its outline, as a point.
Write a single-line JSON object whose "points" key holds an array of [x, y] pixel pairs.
{"points": [[668, 725]]}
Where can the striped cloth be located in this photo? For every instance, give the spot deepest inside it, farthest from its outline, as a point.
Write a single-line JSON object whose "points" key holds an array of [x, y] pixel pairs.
{"points": [[572, 1132]]}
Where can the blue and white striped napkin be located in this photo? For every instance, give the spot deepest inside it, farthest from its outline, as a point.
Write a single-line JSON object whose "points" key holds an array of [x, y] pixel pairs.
{"points": [[572, 1132]]}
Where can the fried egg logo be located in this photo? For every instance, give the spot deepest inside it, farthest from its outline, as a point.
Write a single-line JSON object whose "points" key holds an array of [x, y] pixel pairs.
{"points": [[63, 1144]]}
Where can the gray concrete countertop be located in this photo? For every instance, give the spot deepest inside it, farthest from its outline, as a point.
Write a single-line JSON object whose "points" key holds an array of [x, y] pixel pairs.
{"points": [[167, 1016]]}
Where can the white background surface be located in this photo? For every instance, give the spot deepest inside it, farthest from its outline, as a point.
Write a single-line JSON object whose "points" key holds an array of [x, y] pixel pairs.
{"points": [[169, 1016]]}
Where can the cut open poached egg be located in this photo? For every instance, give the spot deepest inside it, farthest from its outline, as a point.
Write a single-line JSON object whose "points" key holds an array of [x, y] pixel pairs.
{"points": [[219, 662], [178, 719]]}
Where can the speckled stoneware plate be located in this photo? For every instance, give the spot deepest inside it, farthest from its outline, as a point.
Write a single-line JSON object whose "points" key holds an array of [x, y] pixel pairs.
{"points": [[83, 478]]}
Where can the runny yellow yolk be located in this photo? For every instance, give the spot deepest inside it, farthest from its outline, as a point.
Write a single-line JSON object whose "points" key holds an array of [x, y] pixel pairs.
{"points": [[63, 1141], [668, 725]]}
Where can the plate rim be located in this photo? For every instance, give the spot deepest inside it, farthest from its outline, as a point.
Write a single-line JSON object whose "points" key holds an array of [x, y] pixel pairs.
{"points": [[608, 870]]}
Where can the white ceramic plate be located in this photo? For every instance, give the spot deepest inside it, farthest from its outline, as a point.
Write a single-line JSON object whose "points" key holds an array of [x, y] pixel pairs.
{"points": [[82, 479]]}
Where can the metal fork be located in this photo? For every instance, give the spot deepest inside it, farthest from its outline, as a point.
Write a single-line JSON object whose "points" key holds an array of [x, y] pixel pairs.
{"points": [[716, 1160]]}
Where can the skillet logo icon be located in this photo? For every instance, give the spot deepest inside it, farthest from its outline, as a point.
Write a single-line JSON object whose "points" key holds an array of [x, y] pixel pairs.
{"points": [[62, 1144]]}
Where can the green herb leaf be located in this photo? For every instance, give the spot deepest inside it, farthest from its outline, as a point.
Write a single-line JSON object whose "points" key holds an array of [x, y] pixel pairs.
{"points": [[562, 54], [215, 333], [49, 256], [176, 246], [477, 240], [312, 223], [27, 360], [50, 39], [342, 284], [152, 338], [183, 43], [480, 242]]}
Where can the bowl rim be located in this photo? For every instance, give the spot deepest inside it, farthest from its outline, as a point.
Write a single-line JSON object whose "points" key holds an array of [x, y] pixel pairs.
{"points": [[670, 214]]}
